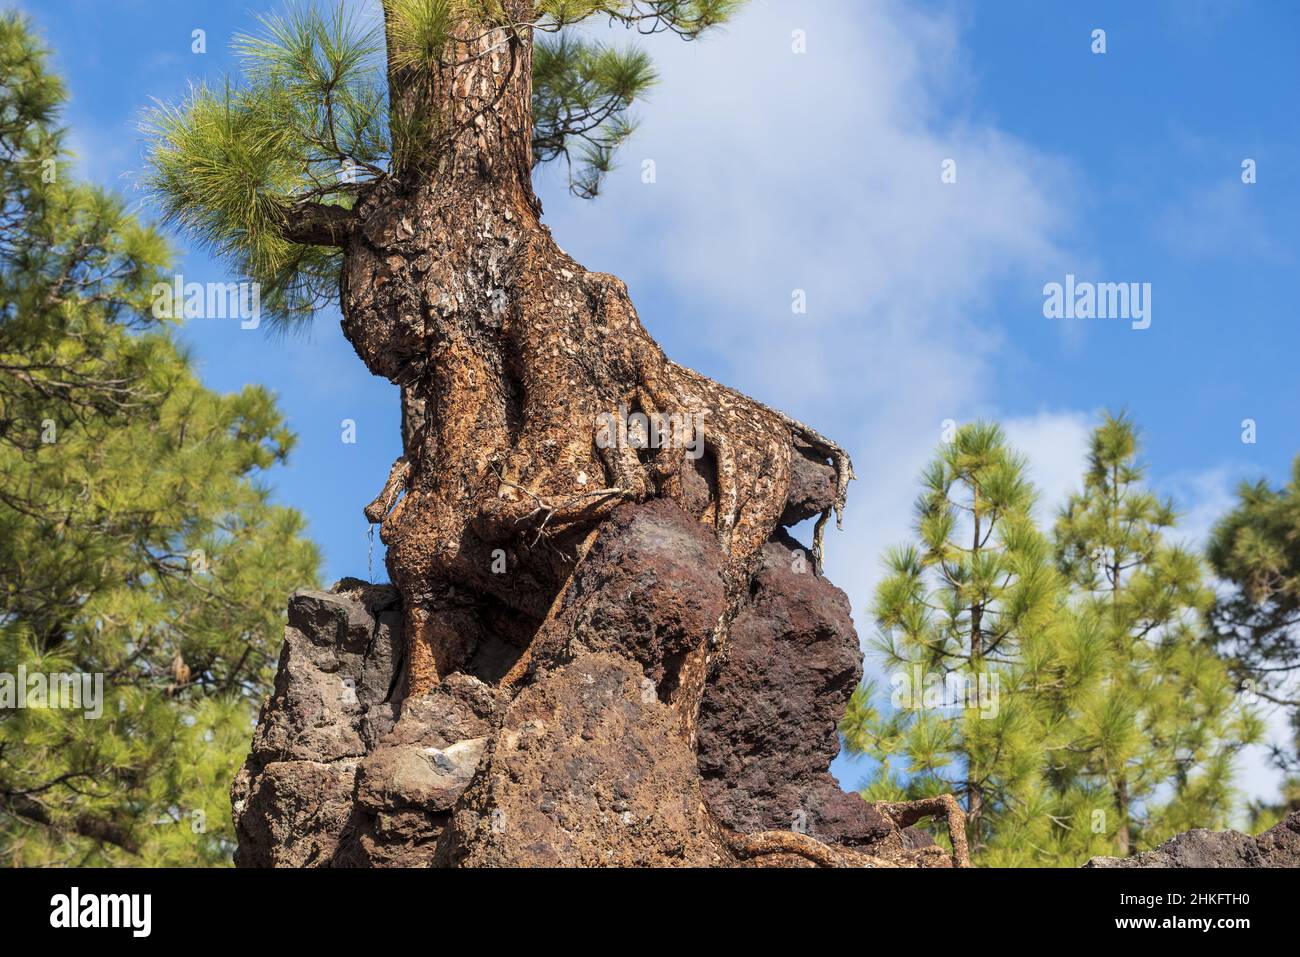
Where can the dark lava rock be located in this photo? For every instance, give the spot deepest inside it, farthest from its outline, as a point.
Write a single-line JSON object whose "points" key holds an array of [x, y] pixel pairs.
{"points": [[769, 721], [341, 774], [1279, 846]]}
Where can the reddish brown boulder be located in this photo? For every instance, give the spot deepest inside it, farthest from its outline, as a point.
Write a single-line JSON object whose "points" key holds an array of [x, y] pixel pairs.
{"points": [[586, 769], [768, 727], [650, 589]]}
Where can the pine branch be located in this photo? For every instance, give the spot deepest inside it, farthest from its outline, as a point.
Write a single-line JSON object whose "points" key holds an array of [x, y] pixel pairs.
{"points": [[318, 224]]}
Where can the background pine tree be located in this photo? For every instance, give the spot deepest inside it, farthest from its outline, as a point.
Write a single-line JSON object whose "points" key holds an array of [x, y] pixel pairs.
{"points": [[1117, 724], [136, 541], [976, 595], [1255, 551], [1158, 721]]}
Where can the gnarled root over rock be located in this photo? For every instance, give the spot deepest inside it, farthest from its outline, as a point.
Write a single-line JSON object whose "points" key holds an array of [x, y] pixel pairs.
{"points": [[571, 586], [535, 405]]}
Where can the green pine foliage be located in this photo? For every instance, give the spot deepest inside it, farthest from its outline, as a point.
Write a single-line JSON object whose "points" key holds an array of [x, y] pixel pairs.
{"points": [[974, 598], [310, 124], [308, 120], [582, 94], [686, 18], [1255, 551], [137, 542], [1115, 724], [1159, 720]]}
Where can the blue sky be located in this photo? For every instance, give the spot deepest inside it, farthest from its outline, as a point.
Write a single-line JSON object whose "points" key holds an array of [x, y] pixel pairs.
{"points": [[820, 171]]}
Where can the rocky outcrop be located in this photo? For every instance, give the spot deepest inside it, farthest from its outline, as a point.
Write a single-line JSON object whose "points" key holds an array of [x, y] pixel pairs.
{"points": [[1279, 846], [581, 760], [768, 729], [340, 773], [587, 769]]}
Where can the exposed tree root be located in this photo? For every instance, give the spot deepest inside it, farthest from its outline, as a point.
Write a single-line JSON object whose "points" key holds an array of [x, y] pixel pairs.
{"points": [[520, 668], [750, 846], [907, 813], [393, 487]]}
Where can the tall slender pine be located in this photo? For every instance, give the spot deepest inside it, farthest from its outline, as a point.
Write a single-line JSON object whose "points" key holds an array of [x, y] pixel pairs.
{"points": [[975, 599], [1158, 723]]}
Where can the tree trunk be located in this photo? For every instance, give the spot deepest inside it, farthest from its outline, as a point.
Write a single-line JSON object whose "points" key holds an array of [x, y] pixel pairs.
{"points": [[974, 797], [508, 354], [522, 376], [1121, 808]]}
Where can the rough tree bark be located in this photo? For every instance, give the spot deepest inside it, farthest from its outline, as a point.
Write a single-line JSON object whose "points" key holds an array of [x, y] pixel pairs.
{"points": [[508, 353]]}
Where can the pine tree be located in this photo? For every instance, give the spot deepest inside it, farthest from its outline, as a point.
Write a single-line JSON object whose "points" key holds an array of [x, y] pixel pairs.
{"points": [[1118, 725], [976, 597], [136, 541], [393, 172], [1158, 722], [1255, 550]]}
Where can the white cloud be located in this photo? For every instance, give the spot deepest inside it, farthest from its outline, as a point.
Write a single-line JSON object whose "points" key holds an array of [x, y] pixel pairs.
{"points": [[1056, 445], [821, 172], [1201, 499]]}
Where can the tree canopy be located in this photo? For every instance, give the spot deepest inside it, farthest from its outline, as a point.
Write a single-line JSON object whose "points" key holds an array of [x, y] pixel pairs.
{"points": [[1112, 724], [975, 599], [311, 120], [138, 547], [1159, 722], [1255, 550]]}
